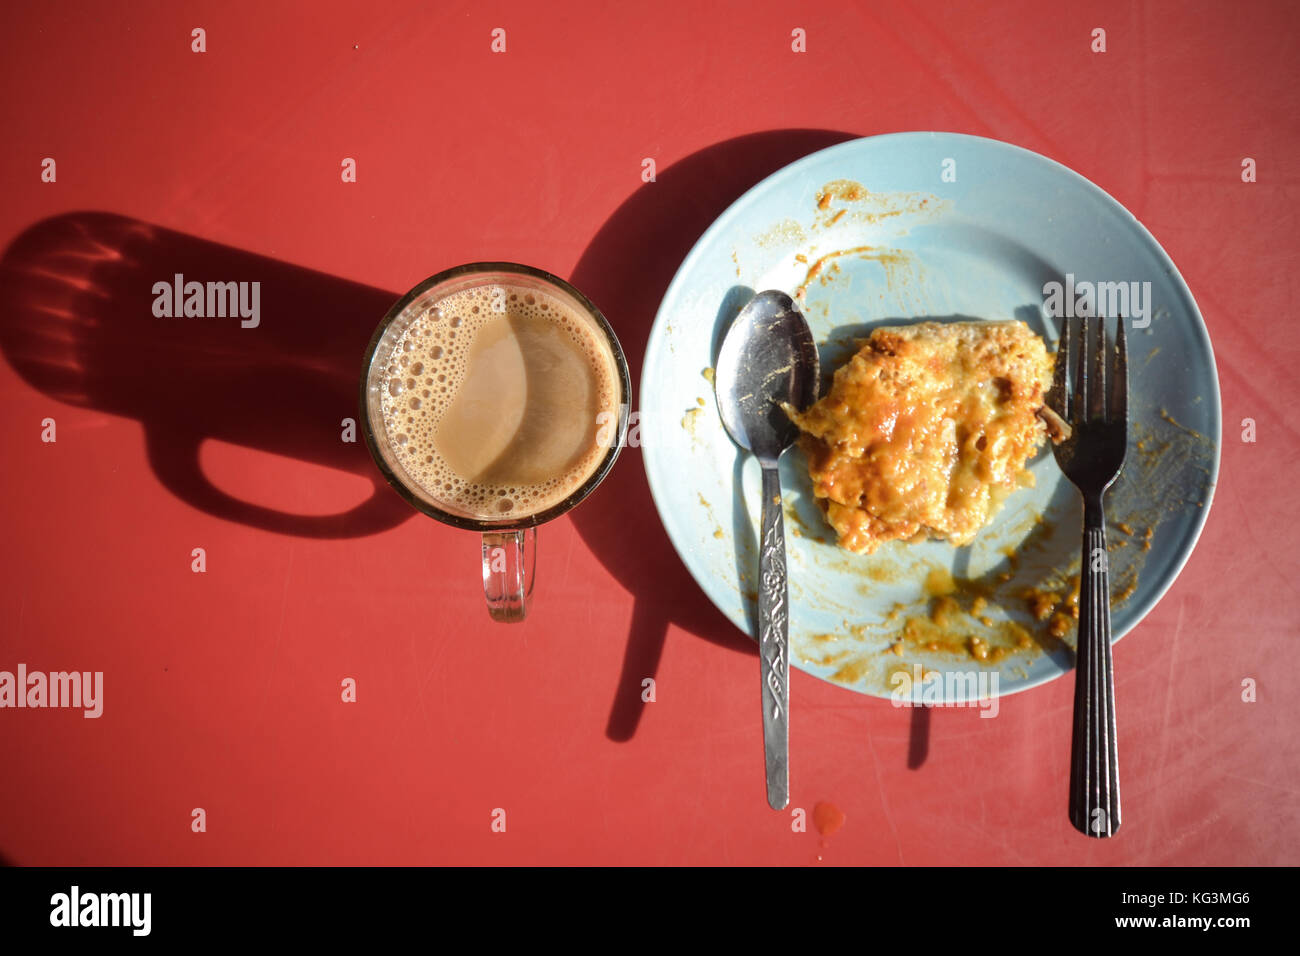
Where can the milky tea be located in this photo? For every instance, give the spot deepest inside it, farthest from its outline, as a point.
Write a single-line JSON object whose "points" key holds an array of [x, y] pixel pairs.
{"points": [[494, 397]]}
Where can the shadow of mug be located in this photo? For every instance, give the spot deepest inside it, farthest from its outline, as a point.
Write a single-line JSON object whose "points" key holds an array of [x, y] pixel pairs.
{"points": [[77, 322]]}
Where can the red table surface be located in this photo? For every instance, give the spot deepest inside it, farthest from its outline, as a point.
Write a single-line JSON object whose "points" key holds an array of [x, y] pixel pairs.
{"points": [[222, 689]]}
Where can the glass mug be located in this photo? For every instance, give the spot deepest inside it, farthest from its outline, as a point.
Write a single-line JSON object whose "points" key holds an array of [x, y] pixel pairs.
{"points": [[509, 537]]}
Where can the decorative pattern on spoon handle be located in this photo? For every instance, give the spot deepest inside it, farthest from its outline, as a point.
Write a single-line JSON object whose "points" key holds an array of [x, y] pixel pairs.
{"points": [[773, 642]]}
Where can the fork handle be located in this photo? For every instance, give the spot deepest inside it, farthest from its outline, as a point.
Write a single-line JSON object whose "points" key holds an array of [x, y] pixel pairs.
{"points": [[1094, 757]]}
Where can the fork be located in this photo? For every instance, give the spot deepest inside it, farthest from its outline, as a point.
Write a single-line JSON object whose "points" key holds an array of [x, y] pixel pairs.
{"points": [[1093, 399]]}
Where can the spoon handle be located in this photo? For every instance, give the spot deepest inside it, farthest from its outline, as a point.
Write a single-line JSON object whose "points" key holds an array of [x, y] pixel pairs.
{"points": [[774, 642]]}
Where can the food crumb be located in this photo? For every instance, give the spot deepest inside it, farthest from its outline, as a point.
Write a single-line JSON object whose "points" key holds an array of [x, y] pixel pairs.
{"points": [[944, 610], [1042, 603], [939, 582]]}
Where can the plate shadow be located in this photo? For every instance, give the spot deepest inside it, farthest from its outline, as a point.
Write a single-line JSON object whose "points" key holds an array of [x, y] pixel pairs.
{"points": [[626, 270]]}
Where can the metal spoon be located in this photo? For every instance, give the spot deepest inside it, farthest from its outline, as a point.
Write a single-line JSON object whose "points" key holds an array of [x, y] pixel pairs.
{"points": [[769, 357]]}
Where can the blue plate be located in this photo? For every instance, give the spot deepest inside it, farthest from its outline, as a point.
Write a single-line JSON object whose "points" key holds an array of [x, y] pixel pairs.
{"points": [[893, 229]]}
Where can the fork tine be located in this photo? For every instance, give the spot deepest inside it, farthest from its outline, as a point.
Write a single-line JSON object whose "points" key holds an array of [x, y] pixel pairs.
{"points": [[1081, 381], [1097, 388], [1119, 379], [1060, 372]]}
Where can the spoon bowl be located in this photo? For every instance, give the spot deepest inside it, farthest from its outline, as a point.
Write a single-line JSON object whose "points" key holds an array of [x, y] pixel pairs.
{"points": [[768, 358]]}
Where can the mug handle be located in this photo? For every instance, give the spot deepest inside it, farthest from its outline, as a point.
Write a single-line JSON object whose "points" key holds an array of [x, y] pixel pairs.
{"points": [[508, 561]]}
